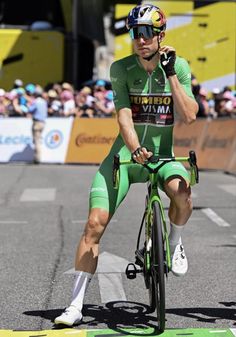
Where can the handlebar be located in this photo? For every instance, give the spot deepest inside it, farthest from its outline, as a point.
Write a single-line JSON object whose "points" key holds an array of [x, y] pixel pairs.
{"points": [[154, 163]]}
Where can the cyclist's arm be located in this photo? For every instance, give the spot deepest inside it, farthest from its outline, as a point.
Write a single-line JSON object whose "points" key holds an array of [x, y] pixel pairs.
{"points": [[118, 76], [127, 129], [129, 135], [185, 106]]}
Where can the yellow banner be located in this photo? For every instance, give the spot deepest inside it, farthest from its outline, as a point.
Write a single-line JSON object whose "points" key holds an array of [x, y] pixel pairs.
{"points": [[91, 140]]}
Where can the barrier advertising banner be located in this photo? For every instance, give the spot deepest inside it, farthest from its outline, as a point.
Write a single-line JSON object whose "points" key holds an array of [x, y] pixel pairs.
{"points": [[88, 141], [188, 137], [16, 142], [56, 137], [218, 147], [91, 140]]}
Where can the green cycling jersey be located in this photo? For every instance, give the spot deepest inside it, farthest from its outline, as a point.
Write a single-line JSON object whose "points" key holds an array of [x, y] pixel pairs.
{"points": [[150, 99]]}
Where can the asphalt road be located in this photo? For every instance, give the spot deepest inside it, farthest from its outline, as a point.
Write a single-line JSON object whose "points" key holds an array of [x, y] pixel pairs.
{"points": [[42, 214]]}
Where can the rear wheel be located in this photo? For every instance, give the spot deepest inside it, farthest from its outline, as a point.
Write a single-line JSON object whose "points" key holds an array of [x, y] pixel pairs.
{"points": [[157, 275]]}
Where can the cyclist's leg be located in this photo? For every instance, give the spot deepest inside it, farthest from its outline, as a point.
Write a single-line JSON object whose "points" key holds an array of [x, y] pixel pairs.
{"points": [[174, 181], [104, 200]]}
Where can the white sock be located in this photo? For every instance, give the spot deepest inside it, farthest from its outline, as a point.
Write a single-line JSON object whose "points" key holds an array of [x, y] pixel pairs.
{"points": [[175, 236], [81, 283]]}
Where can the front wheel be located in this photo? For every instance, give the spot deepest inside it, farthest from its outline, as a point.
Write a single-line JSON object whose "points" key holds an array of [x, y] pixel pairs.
{"points": [[157, 264]]}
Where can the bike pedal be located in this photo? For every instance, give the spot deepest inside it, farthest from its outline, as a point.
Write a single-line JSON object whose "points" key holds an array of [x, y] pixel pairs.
{"points": [[131, 271]]}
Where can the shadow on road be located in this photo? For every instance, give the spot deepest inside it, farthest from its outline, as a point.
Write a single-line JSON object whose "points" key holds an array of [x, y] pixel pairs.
{"points": [[208, 315], [123, 315], [118, 316]]}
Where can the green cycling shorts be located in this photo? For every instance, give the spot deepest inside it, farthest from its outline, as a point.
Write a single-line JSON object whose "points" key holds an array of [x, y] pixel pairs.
{"points": [[102, 193]]}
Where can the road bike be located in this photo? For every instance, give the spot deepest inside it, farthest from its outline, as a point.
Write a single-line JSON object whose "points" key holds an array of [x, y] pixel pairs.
{"points": [[153, 259]]}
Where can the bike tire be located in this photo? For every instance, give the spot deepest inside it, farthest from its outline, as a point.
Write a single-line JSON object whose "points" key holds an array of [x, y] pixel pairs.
{"points": [[157, 275]]}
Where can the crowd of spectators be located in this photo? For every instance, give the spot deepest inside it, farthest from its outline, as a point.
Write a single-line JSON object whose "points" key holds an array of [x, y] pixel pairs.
{"points": [[95, 100], [215, 104]]}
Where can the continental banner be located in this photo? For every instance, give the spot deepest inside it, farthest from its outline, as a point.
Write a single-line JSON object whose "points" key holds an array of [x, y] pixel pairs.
{"points": [[189, 137], [218, 148], [214, 142], [91, 140]]}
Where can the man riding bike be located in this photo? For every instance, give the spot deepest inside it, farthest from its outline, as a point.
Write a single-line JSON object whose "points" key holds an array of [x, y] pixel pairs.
{"points": [[151, 87]]}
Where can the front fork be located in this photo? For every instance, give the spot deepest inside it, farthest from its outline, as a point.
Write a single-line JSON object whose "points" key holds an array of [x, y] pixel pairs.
{"points": [[148, 228]]}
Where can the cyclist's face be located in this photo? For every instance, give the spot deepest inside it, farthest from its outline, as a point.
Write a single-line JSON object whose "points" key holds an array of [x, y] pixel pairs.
{"points": [[144, 47]]}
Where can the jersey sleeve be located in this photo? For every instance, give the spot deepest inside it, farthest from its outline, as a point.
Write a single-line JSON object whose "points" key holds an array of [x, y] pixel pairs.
{"points": [[183, 73], [118, 76]]}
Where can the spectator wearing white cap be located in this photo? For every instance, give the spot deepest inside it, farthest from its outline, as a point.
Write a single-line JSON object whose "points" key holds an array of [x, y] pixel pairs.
{"points": [[18, 83], [212, 103], [54, 104]]}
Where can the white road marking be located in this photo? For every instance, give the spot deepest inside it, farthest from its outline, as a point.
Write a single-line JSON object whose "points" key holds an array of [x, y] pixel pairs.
{"points": [[229, 188], [215, 217], [218, 331], [13, 222], [233, 331], [38, 194], [109, 270], [111, 287]]}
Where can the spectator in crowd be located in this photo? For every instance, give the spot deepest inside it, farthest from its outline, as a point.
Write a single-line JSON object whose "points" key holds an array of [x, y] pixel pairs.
{"points": [[203, 99], [58, 88], [18, 83], [54, 104], [38, 111], [212, 102], [226, 105], [99, 90], [68, 103], [196, 92], [10, 96], [97, 100], [3, 105], [20, 103], [105, 107], [84, 103], [67, 86], [29, 92]]}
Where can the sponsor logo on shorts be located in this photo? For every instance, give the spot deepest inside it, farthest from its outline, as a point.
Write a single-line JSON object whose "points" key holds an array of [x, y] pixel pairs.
{"points": [[97, 189]]}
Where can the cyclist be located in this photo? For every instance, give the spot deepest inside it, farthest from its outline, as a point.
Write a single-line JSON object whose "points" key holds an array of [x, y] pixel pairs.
{"points": [[151, 88]]}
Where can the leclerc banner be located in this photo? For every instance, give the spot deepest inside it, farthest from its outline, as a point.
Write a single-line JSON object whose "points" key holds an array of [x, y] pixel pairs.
{"points": [[16, 142], [16, 139], [91, 140], [56, 136]]}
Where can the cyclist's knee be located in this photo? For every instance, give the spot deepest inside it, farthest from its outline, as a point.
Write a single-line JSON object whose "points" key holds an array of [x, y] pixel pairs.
{"points": [[179, 191], [95, 226], [182, 198]]}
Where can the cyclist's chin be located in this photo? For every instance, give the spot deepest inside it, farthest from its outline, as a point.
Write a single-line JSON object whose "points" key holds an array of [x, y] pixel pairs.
{"points": [[144, 53]]}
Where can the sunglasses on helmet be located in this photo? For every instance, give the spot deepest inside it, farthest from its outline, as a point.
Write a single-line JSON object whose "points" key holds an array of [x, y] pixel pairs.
{"points": [[145, 32]]}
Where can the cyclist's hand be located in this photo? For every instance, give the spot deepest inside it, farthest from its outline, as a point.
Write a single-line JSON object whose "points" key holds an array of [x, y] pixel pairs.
{"points": [[167, 58], [141, 155]]}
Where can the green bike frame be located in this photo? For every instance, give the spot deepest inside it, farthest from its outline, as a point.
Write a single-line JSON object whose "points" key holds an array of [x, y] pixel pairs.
{"points": [[153, 168]]}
